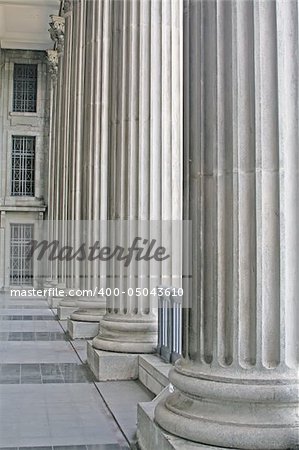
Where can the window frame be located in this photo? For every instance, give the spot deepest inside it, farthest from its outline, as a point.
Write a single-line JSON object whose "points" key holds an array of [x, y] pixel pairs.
{"points": [[41, 84], [22, 179], [39, 142], [12, 281], [25, 111]]}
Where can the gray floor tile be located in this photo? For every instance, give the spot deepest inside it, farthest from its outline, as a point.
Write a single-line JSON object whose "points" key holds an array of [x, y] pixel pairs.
{"points": [[9, 448], [25, 311], [48, 400], [70, 447], [25, 317], [37, 352], [30, 326], [37, 448]]}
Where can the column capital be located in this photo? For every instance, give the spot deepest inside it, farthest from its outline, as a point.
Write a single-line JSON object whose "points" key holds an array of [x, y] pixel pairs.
{"points": [[57, 32], [52, 60]]}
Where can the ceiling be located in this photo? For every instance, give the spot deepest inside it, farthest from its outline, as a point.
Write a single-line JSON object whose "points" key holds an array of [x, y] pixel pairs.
{"points": [[24, 24]]}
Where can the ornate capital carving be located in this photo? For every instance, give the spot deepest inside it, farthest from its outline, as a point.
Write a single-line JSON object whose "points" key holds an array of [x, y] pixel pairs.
{"points": [[52, 60], [57, 32]]}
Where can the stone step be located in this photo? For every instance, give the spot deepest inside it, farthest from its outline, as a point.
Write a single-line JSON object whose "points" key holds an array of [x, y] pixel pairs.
{"points": [[153, 373]]}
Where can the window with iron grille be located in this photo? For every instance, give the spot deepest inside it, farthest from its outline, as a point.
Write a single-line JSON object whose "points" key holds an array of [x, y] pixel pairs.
{"points": [[21, 267], [23, 166], [25, 87]]}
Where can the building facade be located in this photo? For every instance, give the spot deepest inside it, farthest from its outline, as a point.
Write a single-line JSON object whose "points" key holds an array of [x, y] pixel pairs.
{"points": [[23, 155], [162, 111]]}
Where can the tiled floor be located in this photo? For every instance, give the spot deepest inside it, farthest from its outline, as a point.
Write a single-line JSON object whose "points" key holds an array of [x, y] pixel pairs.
{"points": [[48, 398], [24, 317]]}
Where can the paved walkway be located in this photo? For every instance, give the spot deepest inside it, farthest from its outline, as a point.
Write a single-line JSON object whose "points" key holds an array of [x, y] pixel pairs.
{"points": [[48, 397]]}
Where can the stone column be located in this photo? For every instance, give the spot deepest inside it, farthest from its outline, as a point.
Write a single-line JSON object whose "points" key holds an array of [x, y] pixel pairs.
{"points": [[67, 130], [52, 60], [236, 385], [76, 128], [95, 141], [143, 140], [66, 149], [57, 34]]}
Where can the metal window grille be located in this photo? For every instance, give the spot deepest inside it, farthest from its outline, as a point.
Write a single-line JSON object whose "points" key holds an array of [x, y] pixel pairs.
{"points": [[170, 325], [21, 267], [25, 87], [23, 166]]}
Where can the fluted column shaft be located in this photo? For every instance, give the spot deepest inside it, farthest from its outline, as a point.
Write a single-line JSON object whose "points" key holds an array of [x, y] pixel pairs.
{"points": [[236, 385], [95, 142], [76, 149], [54, 213], [95, 145], [66, 148], [145, 137], [52, 59]]}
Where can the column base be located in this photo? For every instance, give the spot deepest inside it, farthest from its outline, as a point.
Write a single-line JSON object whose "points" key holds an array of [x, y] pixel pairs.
{"points": [[90, 309], [108, 366], [151, 437], [88, 315], [127, 334], [82, 330], [68, 302], [255, 413]]}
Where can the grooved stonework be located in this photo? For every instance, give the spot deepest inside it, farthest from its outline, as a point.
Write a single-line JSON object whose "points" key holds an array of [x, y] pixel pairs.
{"points": [[117, 126], [237, 383]]}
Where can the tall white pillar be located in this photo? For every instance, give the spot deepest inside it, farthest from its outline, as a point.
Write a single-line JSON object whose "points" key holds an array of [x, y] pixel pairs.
{"points": [[74, 148], [76, 130], [237, 383], [57, 31], [95, 144], [145, 154], [52, 61]]}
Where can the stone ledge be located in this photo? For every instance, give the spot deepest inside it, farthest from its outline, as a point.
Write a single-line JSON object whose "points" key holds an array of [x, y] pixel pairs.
{"points": [[82, 330], [110, 366], [54, 302], [153, 373], [64, 312]]}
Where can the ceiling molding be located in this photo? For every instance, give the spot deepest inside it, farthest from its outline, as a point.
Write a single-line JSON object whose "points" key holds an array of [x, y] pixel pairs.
{"points": [[25, 23], [38, 3]]}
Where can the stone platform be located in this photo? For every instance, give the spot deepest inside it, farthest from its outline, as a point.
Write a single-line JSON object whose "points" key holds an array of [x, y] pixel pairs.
{"points": [[82, 330], [112, 366], [54, 301], [64, 312]]}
